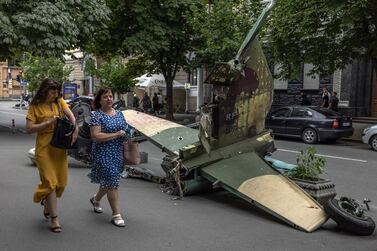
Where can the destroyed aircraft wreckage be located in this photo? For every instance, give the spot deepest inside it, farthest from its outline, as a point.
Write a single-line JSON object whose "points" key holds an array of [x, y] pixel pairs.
{"points": [[229, 147]]}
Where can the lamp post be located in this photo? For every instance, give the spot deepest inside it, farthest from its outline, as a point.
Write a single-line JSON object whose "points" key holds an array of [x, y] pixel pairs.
{"points": [[187, 90]]}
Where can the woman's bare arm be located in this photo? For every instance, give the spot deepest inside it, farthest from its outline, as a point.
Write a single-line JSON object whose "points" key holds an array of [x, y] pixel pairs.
{"points": [[32, 127], [72, 118], [99, 136]]}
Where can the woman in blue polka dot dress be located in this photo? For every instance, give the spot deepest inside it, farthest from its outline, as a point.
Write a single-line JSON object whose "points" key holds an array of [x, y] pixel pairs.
{"points": [[108, 131]]}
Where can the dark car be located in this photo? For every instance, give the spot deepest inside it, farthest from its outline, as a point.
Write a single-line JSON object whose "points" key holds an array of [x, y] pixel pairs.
{"points": [[80, 99], [89, 100], [309, 123]]}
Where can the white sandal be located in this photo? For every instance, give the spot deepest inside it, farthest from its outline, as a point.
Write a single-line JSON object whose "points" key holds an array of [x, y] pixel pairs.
{"points": [[118, 221], [96, 206]]}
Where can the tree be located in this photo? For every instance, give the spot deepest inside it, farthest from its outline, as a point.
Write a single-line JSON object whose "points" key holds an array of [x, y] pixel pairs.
{"points": [[36, 69], [158, 30], [328, 34], [49, 27], [220, 29], [117, 74]]}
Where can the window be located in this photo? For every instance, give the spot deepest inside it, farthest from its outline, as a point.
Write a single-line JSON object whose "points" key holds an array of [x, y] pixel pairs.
{"points": [[281, 113], [301, 113]]}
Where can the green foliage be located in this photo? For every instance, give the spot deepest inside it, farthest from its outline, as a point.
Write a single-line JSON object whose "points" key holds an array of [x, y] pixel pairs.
{"points": [[36, 69], [220, 29], [157, 30], [117, 74], [48, 27], [309, 165], [328, 34]]}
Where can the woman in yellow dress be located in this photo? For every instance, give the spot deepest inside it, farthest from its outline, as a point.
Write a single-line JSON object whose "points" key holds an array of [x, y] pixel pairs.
{"points": [[52, 162]]}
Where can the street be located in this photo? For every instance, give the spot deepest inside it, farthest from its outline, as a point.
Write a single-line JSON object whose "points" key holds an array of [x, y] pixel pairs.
{"points": [[212, 221]]}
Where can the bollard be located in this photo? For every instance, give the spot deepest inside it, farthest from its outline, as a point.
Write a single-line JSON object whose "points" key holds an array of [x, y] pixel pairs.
{"points": [[13, 126], [366, 201]]}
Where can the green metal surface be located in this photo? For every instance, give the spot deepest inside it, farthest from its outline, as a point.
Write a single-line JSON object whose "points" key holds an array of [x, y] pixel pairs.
{"points": [[255, 29], [173, 139], [169, 136], [261, 144], [234, 171]]}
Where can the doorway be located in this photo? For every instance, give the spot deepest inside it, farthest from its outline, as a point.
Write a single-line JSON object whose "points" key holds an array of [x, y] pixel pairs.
{"points": [[374, 92]]}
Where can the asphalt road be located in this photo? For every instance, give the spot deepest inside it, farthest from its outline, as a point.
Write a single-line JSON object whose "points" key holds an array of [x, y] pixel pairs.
{"points": [[212, 221]]}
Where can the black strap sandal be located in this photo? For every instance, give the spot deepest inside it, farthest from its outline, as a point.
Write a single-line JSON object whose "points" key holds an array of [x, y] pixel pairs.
{"points": [[45, 212], [56, 229]]}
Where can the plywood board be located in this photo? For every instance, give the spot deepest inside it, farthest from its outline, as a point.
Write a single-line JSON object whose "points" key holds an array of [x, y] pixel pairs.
{"points": [[165, 134]]}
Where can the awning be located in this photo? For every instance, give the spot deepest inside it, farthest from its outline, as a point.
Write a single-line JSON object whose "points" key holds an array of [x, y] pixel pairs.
{"points": [[155, 80]]}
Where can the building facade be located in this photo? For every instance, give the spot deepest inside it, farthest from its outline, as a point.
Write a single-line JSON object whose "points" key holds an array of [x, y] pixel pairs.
{"points": [[356, 86], [10, 87]]}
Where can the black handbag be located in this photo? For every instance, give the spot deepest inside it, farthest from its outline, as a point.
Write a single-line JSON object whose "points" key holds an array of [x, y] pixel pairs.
{"points": [[62, 136]]}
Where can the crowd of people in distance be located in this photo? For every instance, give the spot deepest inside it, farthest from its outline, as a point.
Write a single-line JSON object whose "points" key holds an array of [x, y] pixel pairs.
{"points": [[149, 105]]}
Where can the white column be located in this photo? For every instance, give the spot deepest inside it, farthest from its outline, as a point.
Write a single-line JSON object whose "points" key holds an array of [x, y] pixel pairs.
{"points": [[199, 81], [311, 82], [279, 84], [337, 79]]}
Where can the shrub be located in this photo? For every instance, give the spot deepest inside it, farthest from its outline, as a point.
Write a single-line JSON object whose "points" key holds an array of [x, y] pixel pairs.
{"points": [[309, 166]]}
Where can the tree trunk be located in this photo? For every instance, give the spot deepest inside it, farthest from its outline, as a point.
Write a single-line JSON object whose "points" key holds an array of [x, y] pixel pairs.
{"points": [[169, 98]]}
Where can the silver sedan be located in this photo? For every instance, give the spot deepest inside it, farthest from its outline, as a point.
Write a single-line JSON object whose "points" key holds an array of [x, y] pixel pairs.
{"points": [[369, 136]]}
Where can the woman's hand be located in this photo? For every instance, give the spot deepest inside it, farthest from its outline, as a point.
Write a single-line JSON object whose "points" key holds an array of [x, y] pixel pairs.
{"points": [[121, 133], [75, 135], [51, 120]]}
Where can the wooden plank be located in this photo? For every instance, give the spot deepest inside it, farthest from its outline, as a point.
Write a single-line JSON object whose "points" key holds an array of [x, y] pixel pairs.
{"points": [[163, 133], [251, 178]]}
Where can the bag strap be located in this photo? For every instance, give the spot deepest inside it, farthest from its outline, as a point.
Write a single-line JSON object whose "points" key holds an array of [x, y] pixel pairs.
{"points": [[60, 110]]}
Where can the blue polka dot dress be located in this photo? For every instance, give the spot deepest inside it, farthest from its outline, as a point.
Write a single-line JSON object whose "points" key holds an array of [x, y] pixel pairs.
{"points": [[107, 157]]}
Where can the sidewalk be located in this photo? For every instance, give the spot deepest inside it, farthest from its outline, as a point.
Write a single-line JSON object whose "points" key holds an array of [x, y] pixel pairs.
{"points": [[359, 126]]}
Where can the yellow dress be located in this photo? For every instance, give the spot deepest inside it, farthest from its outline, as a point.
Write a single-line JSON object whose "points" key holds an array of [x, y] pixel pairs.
{"points": [[51, 161]]}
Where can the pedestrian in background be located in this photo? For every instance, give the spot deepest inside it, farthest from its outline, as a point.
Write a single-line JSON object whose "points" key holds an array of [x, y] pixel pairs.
{"points": [[135, 101], [334, 102], [52, 162], [160, 102], [325, 98], [155, 103], [108, 130], [146, 102], [304, 99]]}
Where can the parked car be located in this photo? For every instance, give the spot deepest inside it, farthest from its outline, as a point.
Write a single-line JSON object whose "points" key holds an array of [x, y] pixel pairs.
{"points": [[85, 99], [369, 136], [310, 123]]}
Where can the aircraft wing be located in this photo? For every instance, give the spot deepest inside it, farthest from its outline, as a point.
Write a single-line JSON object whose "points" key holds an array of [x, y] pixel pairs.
{"points": [[248, 176], [167, 135]]}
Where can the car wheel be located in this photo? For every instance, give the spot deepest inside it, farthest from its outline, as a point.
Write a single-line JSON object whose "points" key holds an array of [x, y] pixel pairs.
{"points": [[309, 136], [373, 142], [349, 216]]}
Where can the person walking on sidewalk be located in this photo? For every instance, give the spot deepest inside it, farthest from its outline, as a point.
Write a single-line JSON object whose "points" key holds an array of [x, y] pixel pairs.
{"points": [[160, 102], [108, 130], [155, 103], [146, 103], [305, 100], [51, 161], [334, 102], [325, 98]]}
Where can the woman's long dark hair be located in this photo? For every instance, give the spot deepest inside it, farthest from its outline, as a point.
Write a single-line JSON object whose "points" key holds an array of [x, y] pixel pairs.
{"points": [[46, 85], [97, 98]]}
